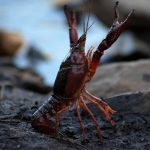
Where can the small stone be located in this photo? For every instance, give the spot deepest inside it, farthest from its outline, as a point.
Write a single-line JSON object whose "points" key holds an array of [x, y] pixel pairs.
{"points": [[10, 43]]}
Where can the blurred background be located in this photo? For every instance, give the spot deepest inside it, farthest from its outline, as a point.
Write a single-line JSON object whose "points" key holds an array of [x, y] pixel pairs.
{"points": [[34, 33], [34, 40]]}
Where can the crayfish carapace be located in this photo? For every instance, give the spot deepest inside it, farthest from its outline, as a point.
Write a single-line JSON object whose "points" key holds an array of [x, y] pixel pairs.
{"points": [[75, 71]]}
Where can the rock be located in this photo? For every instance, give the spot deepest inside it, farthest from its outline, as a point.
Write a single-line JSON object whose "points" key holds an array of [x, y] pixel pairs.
{"points": [[135, 102], [136, 55], [11, 76], [34, 55], [10, 43], [116, 78]]}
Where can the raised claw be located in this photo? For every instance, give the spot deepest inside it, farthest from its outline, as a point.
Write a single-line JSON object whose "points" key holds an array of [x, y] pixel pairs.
{"points": [[115, 30], [72, 23]]}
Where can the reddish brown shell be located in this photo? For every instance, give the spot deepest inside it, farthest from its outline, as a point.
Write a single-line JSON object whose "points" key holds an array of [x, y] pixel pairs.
{"points": [[71, 76]]}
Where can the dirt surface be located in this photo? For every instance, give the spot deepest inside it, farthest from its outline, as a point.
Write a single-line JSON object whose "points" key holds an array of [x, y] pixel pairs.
{"points": [[132, 129]]}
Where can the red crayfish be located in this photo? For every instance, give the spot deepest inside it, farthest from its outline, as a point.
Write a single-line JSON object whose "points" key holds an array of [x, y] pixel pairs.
{"points": [[75, 71]]}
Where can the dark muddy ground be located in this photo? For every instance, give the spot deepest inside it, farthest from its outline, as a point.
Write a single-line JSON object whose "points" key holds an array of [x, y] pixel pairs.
{"points": [[132, 130]]}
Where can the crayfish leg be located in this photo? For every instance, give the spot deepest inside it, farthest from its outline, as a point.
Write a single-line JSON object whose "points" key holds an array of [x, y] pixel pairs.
{"points": [[80, 121], [89, 54], [84, 106], [100, 101], [102, 106]]}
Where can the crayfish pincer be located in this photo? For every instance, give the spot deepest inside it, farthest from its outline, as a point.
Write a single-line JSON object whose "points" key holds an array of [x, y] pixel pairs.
{"points": [[75, 71]]}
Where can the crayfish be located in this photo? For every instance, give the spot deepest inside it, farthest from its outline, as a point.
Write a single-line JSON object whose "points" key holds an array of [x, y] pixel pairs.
{"points": [[74, 72]]}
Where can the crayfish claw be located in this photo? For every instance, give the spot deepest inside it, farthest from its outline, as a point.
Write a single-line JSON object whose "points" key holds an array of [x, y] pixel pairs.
{"points": [[128, 17], [116, 11], [115, 30], [72, 23], [116, 14], [120, 25]]}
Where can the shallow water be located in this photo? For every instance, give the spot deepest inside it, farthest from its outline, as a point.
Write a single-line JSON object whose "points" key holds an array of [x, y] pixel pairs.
{"points": [[44, 27]]}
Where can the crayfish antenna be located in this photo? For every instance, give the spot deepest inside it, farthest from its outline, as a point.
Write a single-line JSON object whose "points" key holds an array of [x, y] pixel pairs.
{"points": [[115, 30]]}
